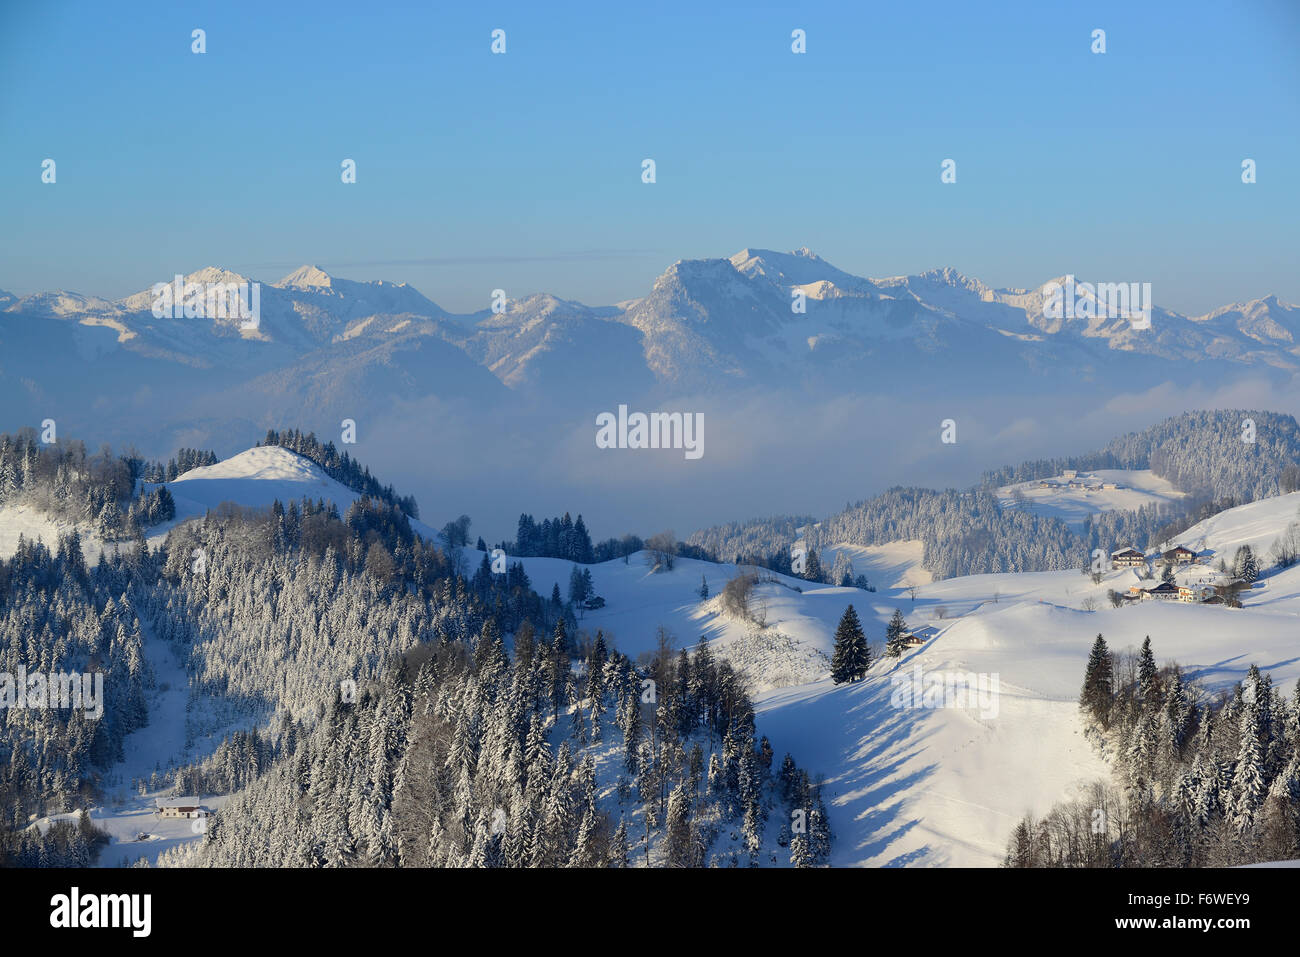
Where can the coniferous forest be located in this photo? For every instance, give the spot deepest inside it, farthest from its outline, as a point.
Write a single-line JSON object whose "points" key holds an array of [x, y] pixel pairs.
{"points": [[971, 532], [371, 702], [1199, 780]]}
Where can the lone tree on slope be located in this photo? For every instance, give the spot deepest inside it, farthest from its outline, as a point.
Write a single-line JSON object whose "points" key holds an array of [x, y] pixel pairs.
{"points": [[894, 634], [852, 657]]}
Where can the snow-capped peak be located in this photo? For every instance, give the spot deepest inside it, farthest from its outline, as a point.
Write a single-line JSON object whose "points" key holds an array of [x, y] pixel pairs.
{"points": [[144, 299], [306, 277], [799, 267], [216, 274], [751, 260], [949, 276]]}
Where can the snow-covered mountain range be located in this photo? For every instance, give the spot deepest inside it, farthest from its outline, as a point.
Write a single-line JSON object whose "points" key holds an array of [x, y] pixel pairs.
{"points": [[720, 335], [707, 323]]}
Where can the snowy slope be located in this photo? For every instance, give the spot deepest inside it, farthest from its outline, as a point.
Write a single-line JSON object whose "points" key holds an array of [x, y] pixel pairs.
{"points": [[256, 478], [944, 786], [892, 565], [1137, 487], [926, 787], [31, 524], [638, 600], [940, 787], [905, 786], [1258, 525]]}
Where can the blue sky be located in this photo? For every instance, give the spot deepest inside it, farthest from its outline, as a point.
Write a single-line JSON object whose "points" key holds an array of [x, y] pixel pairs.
{"points": [[522, 171]]}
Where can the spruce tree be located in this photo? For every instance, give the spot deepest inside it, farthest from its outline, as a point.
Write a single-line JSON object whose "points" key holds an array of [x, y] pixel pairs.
{"points": [[1098, 682], [618, 848], [813, 569], [894, 633], [577, 586], [679, 837], [1148, 677], [851, 658], [800, 853], [1244, 564], [1249, 786]]}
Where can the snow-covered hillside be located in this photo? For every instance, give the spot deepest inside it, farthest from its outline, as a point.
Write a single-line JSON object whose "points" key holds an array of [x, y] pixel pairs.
{"points": [[1075, 498], [944, 786], [34, 525], [893, 565], [904, 785], [256, 478], [1258, 525]]}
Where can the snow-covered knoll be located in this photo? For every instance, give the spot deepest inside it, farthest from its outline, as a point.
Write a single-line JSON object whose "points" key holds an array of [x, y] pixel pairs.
{"points": [[1074, 499], [256, 478], [638, 600]]}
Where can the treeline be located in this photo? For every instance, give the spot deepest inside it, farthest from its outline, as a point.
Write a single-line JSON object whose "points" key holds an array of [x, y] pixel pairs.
{"points": [[763, 542], [182, 462], [1218, 455], [60, 479], [567, 538], [1235, 455], [561, 537], [64, 843], [963, 533], [513, 602], [1219, 458], [239, 760], [1200, 782], [63, 481], [343, 468], [751, 544]]}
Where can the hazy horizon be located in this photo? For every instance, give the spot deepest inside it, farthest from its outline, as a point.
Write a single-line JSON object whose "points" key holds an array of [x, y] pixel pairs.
{"points": [[1121, 166]]}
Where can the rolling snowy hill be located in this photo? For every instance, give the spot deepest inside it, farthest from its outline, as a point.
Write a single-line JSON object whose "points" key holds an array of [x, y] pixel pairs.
{"points": [[944, 786], [256, 478]]}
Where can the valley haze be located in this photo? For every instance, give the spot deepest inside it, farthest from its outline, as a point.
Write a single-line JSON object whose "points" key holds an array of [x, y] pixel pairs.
{"points": [[807, 409]]}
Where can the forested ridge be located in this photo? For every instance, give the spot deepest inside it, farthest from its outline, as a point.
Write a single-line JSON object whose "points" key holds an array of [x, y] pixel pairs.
{"points": [[373, 703], [1218, 458]]}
